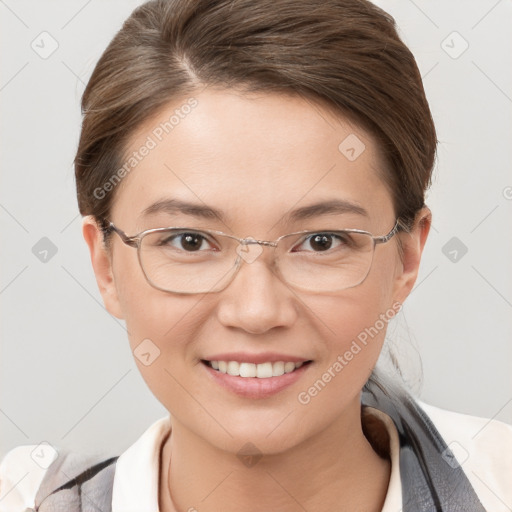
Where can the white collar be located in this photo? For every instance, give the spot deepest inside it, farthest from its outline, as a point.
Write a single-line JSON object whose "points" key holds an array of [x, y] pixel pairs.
{"points": [[393, 501], [136, 479]]}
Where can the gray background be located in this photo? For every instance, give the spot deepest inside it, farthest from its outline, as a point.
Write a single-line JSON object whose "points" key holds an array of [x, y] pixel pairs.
{"points": [[67, 374]]}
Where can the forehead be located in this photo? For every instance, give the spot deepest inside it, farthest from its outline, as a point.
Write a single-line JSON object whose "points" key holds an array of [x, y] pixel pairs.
{"points": [[252, 157]]}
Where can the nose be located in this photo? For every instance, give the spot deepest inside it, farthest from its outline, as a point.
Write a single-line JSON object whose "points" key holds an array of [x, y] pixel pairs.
{"points": [[257, 300]]}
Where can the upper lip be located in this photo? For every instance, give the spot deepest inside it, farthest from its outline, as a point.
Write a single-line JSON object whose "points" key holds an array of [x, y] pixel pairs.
{"points": [[263, 357]]}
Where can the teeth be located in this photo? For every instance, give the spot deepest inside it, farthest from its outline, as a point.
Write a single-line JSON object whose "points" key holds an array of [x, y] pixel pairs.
{"points": [[261, 371], [247, 370], [289, 367], [264, 370], [278, 369]]}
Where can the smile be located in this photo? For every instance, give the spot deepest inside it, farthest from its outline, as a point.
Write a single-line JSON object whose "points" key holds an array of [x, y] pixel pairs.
{"points": [[260, 371]]}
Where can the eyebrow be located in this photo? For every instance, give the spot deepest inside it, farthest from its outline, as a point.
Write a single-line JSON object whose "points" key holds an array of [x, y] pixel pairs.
{"points": [[329, 207]]}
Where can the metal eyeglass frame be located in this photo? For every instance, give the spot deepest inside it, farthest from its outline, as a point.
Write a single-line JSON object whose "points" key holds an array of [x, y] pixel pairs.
{"points": [[135, 242]]}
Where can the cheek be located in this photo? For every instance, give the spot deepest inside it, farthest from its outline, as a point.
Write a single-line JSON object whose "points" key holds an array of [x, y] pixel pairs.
{"points": [[153, 317], [353, 328], [161, 330], [361, 309], [356, 330]]}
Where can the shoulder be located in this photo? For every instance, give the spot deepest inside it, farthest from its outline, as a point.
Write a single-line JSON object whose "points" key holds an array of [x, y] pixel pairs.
{"points": [[486, 437], [482, 447], [31, 474], [22, 470]]}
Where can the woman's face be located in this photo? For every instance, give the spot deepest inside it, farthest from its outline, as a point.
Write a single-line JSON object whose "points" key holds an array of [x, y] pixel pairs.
{"points": [[255, 159]]}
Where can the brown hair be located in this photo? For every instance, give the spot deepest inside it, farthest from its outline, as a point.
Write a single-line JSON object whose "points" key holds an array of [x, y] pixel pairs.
{"points": [[343, 54]]}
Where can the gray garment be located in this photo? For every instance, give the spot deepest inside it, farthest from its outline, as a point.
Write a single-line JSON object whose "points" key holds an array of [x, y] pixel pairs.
{"points": [[89, 490], [432, 480]]}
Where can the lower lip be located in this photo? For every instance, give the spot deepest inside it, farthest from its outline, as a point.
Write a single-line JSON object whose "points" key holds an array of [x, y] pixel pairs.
{"points": [[253, 387]]}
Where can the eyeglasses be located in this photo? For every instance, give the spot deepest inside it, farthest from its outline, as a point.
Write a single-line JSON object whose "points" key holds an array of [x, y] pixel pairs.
{"points": [[185, 260]]}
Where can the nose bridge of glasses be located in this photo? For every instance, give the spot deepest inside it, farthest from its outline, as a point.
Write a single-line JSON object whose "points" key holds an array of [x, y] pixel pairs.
{"points": [[249, 249], [250, 240]]}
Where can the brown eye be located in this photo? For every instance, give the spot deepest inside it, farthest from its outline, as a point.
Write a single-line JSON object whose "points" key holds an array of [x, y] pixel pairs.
{"points": [[322, 242], [187, 241]]}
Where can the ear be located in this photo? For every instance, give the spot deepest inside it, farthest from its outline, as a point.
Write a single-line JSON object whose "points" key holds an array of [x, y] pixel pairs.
{"points": [[102, 265], [413, 243]]}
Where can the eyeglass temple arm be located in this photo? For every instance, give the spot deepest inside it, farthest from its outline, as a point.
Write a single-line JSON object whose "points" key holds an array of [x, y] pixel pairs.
{"points": [[131, 241], [383, 239]]}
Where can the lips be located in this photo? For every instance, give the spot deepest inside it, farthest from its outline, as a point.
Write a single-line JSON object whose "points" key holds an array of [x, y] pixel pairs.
{"points": [[255, 376]]}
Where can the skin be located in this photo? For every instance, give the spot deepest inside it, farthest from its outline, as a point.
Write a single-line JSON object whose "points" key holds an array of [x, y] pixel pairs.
{"points": [[255, 157]]}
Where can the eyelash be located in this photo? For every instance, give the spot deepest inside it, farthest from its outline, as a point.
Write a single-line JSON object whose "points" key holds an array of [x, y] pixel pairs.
{"points": [[343, 240]]}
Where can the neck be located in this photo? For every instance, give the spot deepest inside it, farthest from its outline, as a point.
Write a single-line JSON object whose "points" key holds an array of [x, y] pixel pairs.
{"points": [[335, 469]]}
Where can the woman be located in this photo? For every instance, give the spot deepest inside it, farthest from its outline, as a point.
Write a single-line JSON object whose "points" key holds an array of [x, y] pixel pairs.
{"points": [[252, 179]]}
